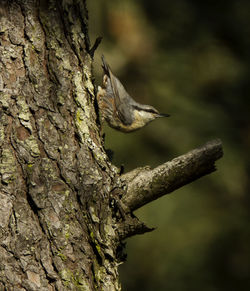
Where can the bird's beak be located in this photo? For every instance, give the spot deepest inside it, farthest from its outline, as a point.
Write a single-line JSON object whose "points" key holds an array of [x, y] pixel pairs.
{"points": [[163, 115]]}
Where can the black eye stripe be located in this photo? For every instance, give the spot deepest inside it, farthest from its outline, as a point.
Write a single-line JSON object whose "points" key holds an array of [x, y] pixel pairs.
{"points": [[146, 109], [150, 110]]}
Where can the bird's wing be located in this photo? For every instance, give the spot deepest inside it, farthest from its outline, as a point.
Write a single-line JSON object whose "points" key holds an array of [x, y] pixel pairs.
{"points": [[121, 96]]}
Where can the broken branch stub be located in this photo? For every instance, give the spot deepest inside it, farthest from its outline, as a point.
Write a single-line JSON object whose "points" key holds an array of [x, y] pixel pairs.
{"points": [[146, 185]]}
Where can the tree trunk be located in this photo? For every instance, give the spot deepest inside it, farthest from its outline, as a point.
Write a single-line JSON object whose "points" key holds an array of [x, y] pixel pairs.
{"points": [[62, 221], [55, 176]]}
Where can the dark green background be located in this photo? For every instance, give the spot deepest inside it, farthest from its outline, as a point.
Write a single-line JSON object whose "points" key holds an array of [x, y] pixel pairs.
{"points": [[189, 59]]}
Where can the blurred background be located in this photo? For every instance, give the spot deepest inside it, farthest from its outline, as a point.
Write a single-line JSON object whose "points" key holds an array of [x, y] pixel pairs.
{"points": [[189, 59]]}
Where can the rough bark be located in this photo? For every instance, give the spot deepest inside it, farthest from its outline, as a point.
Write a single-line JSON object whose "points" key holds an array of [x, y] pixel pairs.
{"points": [[56, 223], [62, 219]]}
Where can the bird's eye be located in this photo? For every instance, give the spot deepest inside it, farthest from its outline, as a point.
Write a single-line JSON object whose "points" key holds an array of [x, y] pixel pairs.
{"points": [[151, 111]]}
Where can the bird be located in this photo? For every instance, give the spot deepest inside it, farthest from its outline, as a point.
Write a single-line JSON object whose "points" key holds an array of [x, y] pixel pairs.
{"points": [[118, 108]]}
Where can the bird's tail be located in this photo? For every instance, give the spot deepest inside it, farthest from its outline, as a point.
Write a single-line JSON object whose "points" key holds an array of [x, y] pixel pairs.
{"points": [[105, 66]]}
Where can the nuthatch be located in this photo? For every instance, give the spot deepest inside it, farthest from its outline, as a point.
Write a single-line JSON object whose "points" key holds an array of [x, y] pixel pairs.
{"points": [[118, 109]]}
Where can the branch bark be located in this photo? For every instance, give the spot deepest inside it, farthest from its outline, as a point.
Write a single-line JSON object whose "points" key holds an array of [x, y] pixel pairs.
{"points": [[146, 185]]}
